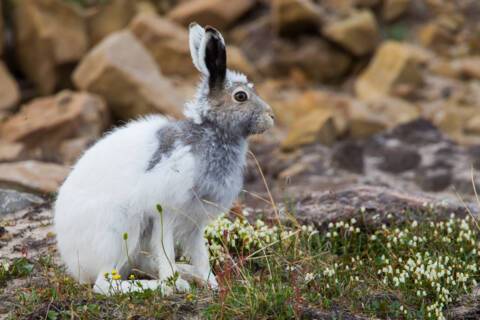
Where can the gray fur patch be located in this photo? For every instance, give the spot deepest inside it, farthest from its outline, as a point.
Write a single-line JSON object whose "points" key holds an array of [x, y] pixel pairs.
{"points": [[167, 137], [220, 157]]}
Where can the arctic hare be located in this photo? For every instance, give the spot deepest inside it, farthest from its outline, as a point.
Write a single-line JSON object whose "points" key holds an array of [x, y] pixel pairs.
{"points": [[192, 168]]}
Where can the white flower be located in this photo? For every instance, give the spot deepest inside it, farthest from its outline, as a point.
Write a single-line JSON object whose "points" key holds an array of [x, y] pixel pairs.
{"points": [[309, 277]]}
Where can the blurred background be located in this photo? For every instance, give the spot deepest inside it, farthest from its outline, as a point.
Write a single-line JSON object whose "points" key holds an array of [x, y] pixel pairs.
{"points": [[366, 92]]}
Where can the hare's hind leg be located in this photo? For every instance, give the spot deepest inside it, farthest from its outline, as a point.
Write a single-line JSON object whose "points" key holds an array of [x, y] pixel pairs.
{"points": [[195, 247], [163, 247]]}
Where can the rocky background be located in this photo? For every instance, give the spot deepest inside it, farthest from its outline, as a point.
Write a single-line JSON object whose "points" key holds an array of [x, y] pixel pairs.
{"points": [[377, 101]]}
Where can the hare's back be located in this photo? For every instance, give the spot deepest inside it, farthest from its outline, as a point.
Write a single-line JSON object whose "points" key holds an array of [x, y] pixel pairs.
{"points": [[117, 161]]}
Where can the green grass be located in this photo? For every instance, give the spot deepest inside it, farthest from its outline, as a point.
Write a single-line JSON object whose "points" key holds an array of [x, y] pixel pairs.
{"points": [[409, 271]]}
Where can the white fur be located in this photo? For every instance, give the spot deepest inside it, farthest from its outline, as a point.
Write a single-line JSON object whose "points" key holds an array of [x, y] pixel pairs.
{"points": [[109, 193], [236, 77], [197, 47]]}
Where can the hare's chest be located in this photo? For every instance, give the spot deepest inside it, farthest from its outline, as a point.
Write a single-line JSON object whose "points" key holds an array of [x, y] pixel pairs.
{"points": [[220, 175]]}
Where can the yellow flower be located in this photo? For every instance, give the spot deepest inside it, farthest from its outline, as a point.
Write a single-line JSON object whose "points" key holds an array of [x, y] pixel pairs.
{"points": [[131, 277], [116, 277], [189, 297], [114, 272]]}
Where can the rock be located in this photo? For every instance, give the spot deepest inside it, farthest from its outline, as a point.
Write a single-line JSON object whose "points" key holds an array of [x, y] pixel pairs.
{"points": [[366, 3], [2, 36], [295, 16], [44, 123], [415, 156], [166, 41], [474, 152], [70, 150], [12, 201], [108, 17], [48, 33], [435, 178], [468, 306], [321, 208], [395, 111], [363, 123], [309, 312], [399, 159], [315, 126], [11, 151], [393, 9], [420, 132], [473, 125], [434, 36], [467, 67], [39, 177], [348, 155], [210, 12], [122, 71], [394, 64], [238, 61], [9, 91], [290, 105], [357, 33], [313, 56], [309, 56], [455, 120]]}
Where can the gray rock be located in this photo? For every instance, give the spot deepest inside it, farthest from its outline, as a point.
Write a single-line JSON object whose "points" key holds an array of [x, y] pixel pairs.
{"points": [[371, 206], [434, 178], [348, 155], [400, 159], [13, 201]]}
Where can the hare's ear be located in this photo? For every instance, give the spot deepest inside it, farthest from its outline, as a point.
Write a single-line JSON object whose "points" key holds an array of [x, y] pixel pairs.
{"points": [[215, 58], [207, 48], [196, 37]]}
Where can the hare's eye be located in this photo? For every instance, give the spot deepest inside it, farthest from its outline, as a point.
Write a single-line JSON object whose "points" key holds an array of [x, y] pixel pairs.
{"points": [[240, 96]]}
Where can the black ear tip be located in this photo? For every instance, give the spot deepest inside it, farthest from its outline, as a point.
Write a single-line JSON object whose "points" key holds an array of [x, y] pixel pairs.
{"points": [[211, 30]]}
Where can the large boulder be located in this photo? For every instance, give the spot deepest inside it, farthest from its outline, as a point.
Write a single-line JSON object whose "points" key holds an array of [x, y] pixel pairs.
{"points": [[372, 206], [34, 176], [108, 17], [9, 91], [437, 37], [358, 33], [12, 201], [393, 9], [394, 64], [166, 41], [48, 33], [216, 13], [11, 151], [317, 125], [362, 122], [313, 56], [45, 123], [122, 71], [295, 16]]}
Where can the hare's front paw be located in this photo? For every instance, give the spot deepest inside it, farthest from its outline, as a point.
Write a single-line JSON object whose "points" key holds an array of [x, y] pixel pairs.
{"points": [[212, 281], [182, 285]]}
